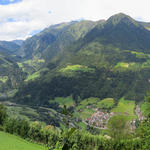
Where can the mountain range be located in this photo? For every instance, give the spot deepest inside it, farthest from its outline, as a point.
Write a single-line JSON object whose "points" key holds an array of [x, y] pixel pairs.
{"points": [[82, 59]]}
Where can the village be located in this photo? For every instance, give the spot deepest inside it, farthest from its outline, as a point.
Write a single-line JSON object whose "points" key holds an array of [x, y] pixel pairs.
{"points": [[99, 119]]}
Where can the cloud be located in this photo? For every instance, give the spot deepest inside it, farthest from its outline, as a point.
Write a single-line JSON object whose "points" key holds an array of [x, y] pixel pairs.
{"points": [[19, 20]]}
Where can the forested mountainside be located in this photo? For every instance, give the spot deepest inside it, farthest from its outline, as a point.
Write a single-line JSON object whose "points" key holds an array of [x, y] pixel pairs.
{"points": [[11, 76], [54, 39], [87, 59]]}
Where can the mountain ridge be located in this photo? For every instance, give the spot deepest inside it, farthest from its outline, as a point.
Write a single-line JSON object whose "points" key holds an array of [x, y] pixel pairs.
{"points": [[108, 60]]}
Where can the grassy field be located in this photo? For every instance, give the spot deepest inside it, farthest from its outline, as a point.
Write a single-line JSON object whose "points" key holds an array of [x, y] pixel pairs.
{"points": [[85, 113], [33, 76], [4, 78], [122, 65], [125, 107], [106, 103], [77, 68], [68, 101], [11, 142]]}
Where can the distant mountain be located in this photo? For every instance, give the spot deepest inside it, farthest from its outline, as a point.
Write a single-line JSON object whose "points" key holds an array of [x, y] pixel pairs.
{"points": [[18, 42], [145, 24], [10, 46], [54, 39]]}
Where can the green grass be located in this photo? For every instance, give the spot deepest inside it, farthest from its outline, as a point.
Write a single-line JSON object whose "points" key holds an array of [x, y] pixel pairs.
{"points": [[125, 106], [76, 68], [122, 65], [82, 125], [148, 28], [85, 113], [3, 79], [68, 101], [92, 101], [20, 65], [33, 62], [11, 142], [106, 103], [21, 112], [33, 76], [12, 93]]}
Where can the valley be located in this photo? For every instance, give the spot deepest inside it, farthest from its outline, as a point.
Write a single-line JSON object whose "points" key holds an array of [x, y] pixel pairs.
{"points": [[78, 85]]}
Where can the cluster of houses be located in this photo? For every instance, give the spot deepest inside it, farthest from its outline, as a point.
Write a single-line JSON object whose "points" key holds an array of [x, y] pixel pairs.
{"points": [[139, 113], [99, 119]]}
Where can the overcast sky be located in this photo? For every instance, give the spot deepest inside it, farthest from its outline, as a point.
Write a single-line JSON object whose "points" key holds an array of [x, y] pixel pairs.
{"points": [[20, 19]]}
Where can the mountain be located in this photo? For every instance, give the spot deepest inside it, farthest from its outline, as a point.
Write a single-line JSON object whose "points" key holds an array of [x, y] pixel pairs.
{"points": [[145, 24], [11, 75], [111, 59], [54, 39], [18, 42], [9, 46], [123, 32]]}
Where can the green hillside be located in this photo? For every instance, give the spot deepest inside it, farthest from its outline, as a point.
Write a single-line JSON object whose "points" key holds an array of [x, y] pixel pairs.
{"points": [[11, 76], [111, 59], [12, 142], [54, 39]]}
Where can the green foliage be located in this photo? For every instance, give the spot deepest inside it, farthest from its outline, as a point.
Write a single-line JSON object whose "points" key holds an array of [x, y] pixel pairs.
{"points": [[118, 126], [10, 74], [33, 76], [107, 103], [34, 130], [122, 65], [54, 39], [73, 70], [68, 101], [3, 114], [146, 105], [92, 101], [84, 114], [4, 79], [125, 107], [105, 62], [143, 132]]}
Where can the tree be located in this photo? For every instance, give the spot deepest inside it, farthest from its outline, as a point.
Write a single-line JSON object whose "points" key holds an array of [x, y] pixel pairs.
{"points": [[144, 133], [147, 105], [119, 127], [3, 114], [144, 127]]}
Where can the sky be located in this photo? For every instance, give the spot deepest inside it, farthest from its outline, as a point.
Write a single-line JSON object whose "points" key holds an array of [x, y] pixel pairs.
{"points": [[20, 19]]}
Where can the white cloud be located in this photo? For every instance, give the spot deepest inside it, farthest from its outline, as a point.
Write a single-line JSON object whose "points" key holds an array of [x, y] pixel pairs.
{"points": [[30, 15]]}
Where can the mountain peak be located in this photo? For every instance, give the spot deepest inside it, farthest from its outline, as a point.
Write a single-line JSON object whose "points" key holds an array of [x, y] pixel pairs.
{"points": [[121, 18]]}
